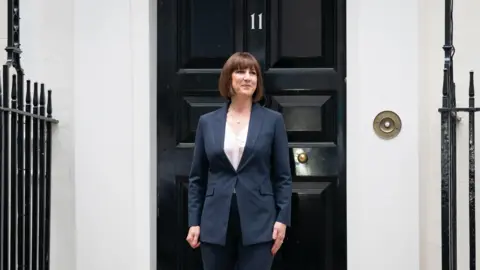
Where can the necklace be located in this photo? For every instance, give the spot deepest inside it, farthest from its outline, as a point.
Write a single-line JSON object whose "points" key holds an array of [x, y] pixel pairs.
{"points": [[234, 119]]}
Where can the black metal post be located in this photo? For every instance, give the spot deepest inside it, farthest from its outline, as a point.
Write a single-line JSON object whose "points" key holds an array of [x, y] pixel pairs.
{"points": [[20, 176], [13, 178], [4, 173], [448, 150], [35, 184], [16, 202], [28, 178], [48, 177], [471, 171], [13, 42], [41, 183], [3, 199]]}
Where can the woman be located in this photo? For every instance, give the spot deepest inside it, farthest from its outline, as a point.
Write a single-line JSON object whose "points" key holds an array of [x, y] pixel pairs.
{"points": [[240, 184]]}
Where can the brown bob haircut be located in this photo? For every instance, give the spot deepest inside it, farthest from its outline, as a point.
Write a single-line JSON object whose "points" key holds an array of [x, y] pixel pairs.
{"points": [[239, 61]]}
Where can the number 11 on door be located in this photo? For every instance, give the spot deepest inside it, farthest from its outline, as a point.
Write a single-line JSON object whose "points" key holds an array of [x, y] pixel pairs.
{"points": [[252, 18]]}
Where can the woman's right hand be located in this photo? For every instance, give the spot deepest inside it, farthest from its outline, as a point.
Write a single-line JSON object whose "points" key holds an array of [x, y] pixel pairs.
{"points": [[194, 236]]}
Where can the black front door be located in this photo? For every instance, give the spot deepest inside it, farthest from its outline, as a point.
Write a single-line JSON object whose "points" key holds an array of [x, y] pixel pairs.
{"points": [[301, 47]]}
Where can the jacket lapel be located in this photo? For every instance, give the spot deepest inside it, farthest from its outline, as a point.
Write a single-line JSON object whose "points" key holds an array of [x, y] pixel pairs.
{"points": [[219, 134], [254, 127]]}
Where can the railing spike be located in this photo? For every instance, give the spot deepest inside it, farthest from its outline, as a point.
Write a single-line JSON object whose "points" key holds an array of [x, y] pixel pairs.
{"points": [[42, 94], [35, 94], [14, 87], [471, 87], [28, 98], [49, 104]]}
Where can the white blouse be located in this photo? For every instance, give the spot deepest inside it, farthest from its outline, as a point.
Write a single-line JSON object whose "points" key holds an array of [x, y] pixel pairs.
{"points": [[234, 145]]}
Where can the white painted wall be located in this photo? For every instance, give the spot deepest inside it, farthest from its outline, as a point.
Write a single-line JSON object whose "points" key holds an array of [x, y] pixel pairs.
{"points": [[431, 78], [383, 176], [103, 53], [114, 134]]}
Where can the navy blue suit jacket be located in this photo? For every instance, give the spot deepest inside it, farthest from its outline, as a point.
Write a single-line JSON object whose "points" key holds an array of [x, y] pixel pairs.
{"points": [[262, 182]]}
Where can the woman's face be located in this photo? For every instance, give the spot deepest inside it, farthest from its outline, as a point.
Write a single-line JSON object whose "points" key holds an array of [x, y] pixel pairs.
{"points": [[244, 82]]}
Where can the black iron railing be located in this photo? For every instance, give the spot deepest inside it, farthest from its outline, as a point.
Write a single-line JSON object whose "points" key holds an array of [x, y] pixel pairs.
{"points": [[25, 172], [25, 161], [449, 174], [449, 119]]}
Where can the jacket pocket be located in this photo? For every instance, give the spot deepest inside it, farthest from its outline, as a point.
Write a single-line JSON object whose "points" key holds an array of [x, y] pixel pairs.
{"points": [[210, 191], [266, 188]]}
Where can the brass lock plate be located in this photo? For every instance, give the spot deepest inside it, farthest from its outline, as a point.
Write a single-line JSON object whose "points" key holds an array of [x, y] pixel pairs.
{"points": [[302, 158], [387, 125]]}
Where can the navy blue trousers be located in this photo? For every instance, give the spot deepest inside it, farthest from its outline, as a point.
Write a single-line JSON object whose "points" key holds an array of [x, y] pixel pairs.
{"points": [[234, 255]]}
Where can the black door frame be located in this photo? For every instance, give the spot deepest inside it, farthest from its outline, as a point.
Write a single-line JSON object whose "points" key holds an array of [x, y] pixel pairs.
{"points": [[340, 210], [340, 257]]}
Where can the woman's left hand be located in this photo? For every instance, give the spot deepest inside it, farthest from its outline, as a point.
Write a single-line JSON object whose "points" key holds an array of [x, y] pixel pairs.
{"points": [[278, 235]]}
